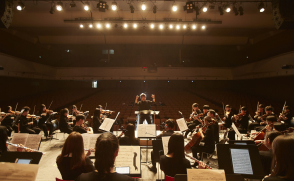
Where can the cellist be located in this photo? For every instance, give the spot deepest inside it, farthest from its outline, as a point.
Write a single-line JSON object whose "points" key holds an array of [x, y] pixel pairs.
{"points": [[270, 121], [207, 142]]}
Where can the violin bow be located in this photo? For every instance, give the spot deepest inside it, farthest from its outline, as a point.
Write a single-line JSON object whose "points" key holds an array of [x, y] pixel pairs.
{"points": [[224, 109], [81, 107], [16, 107], [50, 105], [284, 108], [105, 106]]}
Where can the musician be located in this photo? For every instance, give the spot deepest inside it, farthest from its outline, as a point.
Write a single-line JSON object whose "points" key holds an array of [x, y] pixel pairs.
{"points": [[144, 105], [270, 122], [242, 119], [97, 120], [205, 110], [286, 117], [207, 143], [8, 121], [74, 110], [258, 118], [44, 121], [194, 119], [268, 112], [129, 138], [266, 156], [26, 124], [211, 113], [80, 118], [169, 130], [64, 124], [227, 117]]}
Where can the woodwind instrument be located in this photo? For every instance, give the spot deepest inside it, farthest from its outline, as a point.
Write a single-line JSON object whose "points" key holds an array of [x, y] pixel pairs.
{"points": [[17, 146], [198, 161]]}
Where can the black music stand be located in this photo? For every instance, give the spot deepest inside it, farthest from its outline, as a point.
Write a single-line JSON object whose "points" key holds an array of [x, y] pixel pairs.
{"points": [[12, 156]]}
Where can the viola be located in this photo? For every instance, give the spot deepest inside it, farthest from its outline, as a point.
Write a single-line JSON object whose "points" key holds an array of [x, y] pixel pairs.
{"points": [[29, 116]]}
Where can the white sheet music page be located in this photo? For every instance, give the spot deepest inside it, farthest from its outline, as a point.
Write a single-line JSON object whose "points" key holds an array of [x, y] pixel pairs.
{"points": [[146, 130], [18, 172], [205, 175], [241, 161], [18, 138], [236, 130], [107, 124], [33, 141], [165, 140], [182, 124], [129, 156]]}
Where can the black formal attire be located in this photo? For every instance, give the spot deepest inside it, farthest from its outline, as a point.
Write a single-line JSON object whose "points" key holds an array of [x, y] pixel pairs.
{"points": [[171, 168], [276, 178], [144, 105], [208, 141], [96, 124], [257, 119], [45, 123], [79, 129], [287, 122], [244, 121], [96, 176], [128, 141], [7, 122], [228, 121], [24, 127], [71, 174], [64, 126], [192, 124], [266, 160]]}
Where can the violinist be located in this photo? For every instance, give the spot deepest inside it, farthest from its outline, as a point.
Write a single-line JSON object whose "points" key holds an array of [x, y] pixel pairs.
{"points": [[258, 116], [194, 119], [26, 124], [270, 121], [44, 121], [243, 120], [268, 112], [79, 125], [286, 116], [207, 142], [205, 111], [97, 120], [144, 105], [74, 111], [8, 120], [64, 124], [228, 117], [211, 113]]}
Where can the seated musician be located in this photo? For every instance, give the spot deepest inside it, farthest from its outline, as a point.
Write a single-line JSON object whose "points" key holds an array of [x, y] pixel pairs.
{"points": [[286, 117], [258, 118], [194, 118], [144, 105], [283, 159], [205, 110], [7, 121], [44, 121], [79, 125], [207, 142], [74, 110], [242, 119], [26, 124], [169, 130], [270, 121], [268, 112], [175, 162], [212, 114], [266, 156], [97, 120], [64, 124], [129, 138], [228, 117]]}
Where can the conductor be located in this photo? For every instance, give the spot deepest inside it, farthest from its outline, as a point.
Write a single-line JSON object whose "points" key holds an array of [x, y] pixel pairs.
{"points": [[144, 105]]}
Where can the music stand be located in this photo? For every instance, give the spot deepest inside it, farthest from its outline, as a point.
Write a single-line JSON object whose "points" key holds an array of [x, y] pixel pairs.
{"points": [[241, 142], [12, 156], [151, 112]]}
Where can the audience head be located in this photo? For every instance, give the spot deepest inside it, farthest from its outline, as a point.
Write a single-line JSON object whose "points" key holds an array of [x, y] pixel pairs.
{"points": [[269, 109], [271, 120], [26, 110], [74, 145], [130, 131], [269, 138], [8, 109], [143, 97], [176, 146], [283, 157], [169, 124], [106, 151], [3, 138], [80, 118], [195, 106]]}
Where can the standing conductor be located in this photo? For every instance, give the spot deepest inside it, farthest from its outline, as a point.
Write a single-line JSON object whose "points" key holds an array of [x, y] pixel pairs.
{"points": [[144, 105]]}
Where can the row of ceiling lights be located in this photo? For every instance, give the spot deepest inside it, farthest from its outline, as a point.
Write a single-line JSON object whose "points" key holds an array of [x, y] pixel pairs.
{"points": [[152, 26], [189, 7]]}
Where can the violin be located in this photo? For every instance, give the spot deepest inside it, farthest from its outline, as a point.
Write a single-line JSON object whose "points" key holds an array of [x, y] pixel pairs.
{"points": [[29, 116], [264, 116], [106, 111], [5, 114], [71, 117]]}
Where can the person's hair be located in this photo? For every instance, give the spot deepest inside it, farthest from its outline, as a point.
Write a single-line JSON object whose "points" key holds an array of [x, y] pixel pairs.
{"points": [[130, 131], [271, 135], [176, 146], [73, 144], [41, 108], [97, 113], [244, 108], [271, 118], [206, 107], [211, 111], [80, 116], [62, 112], [3, 138], [269, 108], [106, 146], [143, 95], [7, 109], [208, 118], [283, 157], [287, 107], [170, 123], [261, 106], [26, 108], [195, 105], [279, 126], [228, 106]]}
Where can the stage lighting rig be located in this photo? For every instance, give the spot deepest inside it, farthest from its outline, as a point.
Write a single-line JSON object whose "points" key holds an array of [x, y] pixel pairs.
{"points": [[20, 6], [72, 4], [228, 8], [261, 7], [132, 8], [86, 6], [52, 9], [154, 9], [102, 6], [114, 6], [175, 8], [59, 6], [143, 7], [189, 7]]}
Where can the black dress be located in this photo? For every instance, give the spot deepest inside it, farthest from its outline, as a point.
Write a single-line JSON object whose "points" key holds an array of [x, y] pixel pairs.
{"points": [[64, 126], [128, 141], [72, 174], [171, 168], [95, 176], [24, 127]]}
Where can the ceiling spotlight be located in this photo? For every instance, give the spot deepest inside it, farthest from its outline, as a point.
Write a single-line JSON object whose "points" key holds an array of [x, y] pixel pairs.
{"points": [[102, 6], [193, 27], [171, 26], [241, 10], [228, 9], [235, 10], [152, 26], [59, 6], [90, 26], [184, 26], [261, 7], [135, 25], [125, 25], [143, 7], [107, 25], [81, 26], [161, 26], [203, 27], [114, 6], [178, 27], [132, 8], [20, 6], [86, 6], [189, 7], [99, 26], [221, 10], [204, 9], [175, 8]]}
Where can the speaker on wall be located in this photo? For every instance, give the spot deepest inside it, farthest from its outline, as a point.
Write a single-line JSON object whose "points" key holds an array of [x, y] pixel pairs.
{"points": [[283, 14], [6, 13]]}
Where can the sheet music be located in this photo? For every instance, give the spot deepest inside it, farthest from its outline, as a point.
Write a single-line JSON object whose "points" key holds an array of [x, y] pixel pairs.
{"points": [[236, 130], [18, 138], [18, 172], [205, 175], [182, 124], [107, 124], [241, 161], [90, 141], [165, 140], [33, 141], [129, 156], [146, 130]]}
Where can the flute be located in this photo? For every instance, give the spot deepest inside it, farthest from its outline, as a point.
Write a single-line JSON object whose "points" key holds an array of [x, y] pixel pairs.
{"points": [[17, 146], [206, 166], [89, 149]]}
